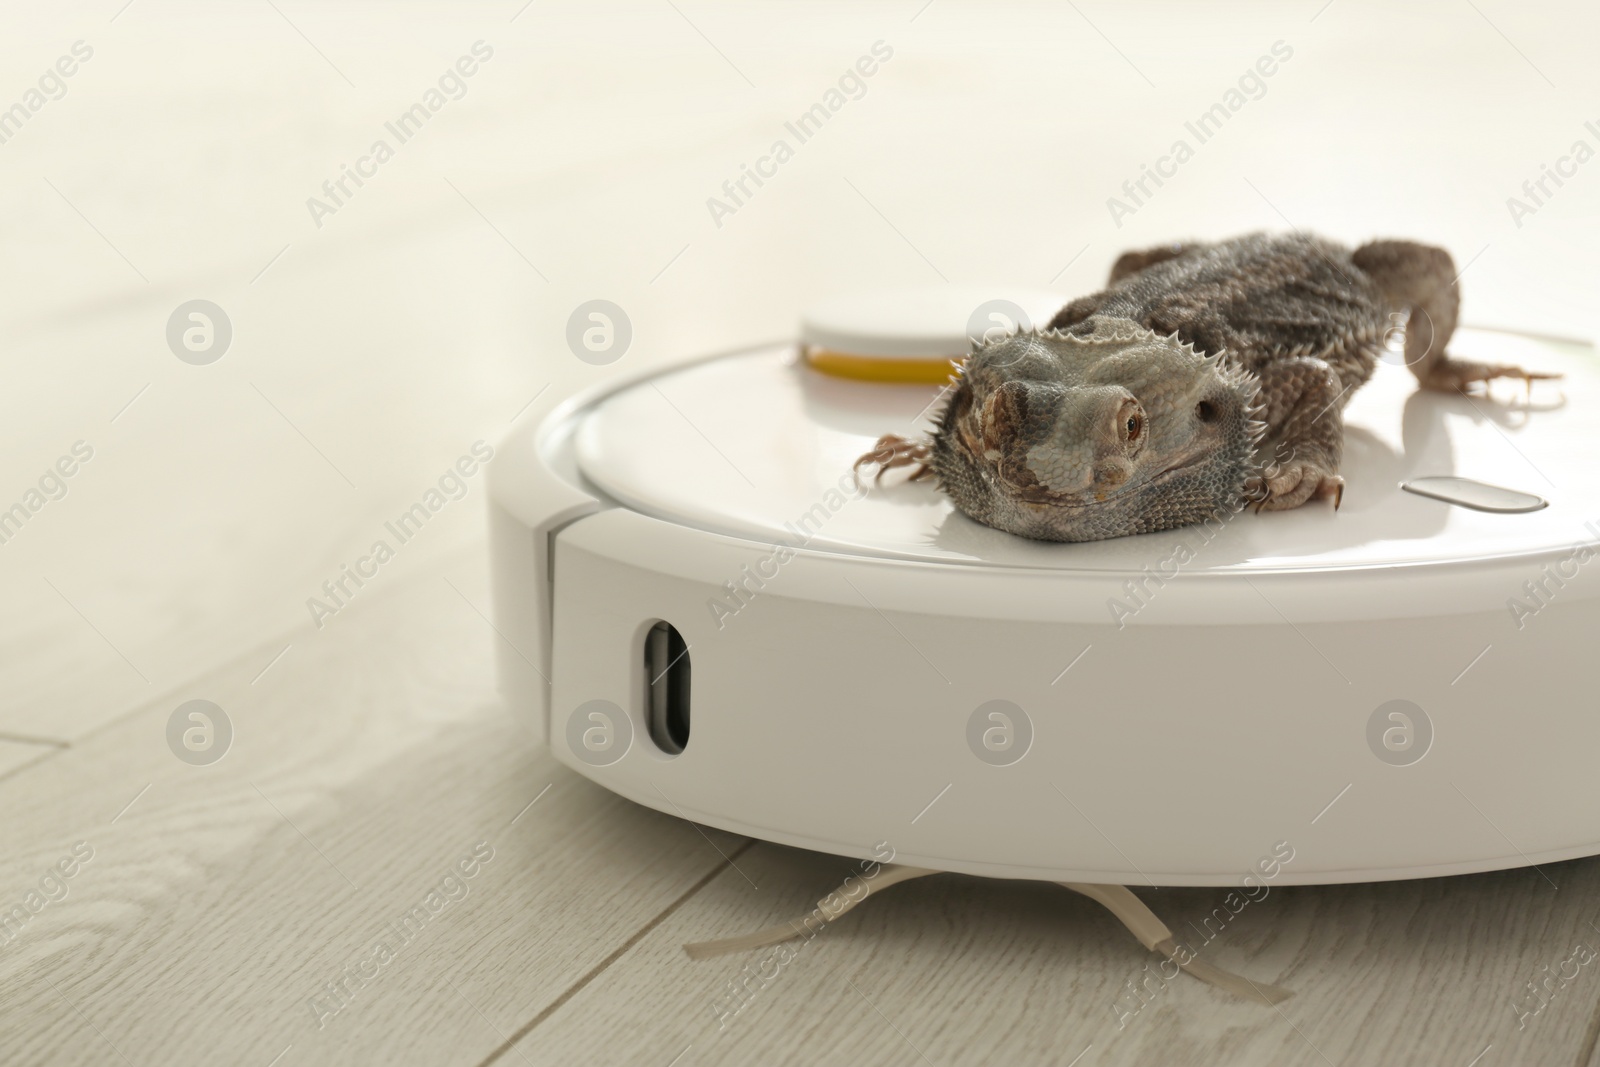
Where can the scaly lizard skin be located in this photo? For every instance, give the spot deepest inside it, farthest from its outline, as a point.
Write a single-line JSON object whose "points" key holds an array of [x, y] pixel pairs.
{"points": [[1204, 377]]}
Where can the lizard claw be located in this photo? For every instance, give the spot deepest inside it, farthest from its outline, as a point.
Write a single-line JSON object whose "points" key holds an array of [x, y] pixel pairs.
{"points": [[891, 451], [1298, 482]]}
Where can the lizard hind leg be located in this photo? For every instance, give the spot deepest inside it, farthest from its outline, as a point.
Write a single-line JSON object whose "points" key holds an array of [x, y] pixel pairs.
{"points": [[1422, 279]]}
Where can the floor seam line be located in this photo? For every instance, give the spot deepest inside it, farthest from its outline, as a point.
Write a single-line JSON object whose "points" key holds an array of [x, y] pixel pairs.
{"points": [[46, 753], [439, 563], [600, 968], [25, 739]]}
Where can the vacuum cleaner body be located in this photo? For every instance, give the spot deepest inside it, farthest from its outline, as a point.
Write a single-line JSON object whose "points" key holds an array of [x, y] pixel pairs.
{"points": [[703, 612]]}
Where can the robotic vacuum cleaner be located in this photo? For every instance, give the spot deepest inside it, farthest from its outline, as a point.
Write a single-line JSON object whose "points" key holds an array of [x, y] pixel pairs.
{"points": [[706, 613]]}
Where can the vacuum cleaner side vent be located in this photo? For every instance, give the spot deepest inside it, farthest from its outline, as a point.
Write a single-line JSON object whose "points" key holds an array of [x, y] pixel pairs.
{"points": [[666, 674]]}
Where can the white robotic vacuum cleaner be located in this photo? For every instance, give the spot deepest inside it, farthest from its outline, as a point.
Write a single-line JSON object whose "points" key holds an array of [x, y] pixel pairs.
{"points": [[704, 613]]}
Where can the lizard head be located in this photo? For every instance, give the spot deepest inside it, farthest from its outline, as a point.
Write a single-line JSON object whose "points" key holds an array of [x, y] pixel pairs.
{"points": [[1100, 432]]}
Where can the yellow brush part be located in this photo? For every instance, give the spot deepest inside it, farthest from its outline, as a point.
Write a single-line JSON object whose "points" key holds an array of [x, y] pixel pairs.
{"points": [[933, 370]]}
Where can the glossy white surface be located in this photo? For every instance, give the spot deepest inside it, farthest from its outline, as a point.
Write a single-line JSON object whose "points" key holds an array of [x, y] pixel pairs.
{"points": [[750, 444]]}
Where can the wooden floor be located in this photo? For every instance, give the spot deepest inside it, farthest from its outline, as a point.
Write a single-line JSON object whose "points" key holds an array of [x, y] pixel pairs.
{"points": [[222, 903]]}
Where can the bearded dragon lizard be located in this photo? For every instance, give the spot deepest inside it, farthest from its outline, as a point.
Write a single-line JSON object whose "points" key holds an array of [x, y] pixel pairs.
{"points": [[1204, 377]]}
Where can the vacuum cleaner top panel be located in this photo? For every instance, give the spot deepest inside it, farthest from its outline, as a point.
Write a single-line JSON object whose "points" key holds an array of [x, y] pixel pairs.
{"points": [[759, 446]]}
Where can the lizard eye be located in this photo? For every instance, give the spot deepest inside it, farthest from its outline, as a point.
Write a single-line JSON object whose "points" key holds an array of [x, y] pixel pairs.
{"points": [[1134, 426]]}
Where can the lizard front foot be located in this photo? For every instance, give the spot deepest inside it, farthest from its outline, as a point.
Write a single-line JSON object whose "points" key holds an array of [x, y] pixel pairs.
{"points": [[891, 451], [1297, 482]]}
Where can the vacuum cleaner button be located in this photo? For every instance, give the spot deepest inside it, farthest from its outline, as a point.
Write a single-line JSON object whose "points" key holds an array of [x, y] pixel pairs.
{"points": [[1474, 494]]}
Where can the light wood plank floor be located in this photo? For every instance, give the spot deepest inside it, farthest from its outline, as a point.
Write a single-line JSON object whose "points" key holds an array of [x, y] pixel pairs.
{"points": [[19, 753], [222, 903]]}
